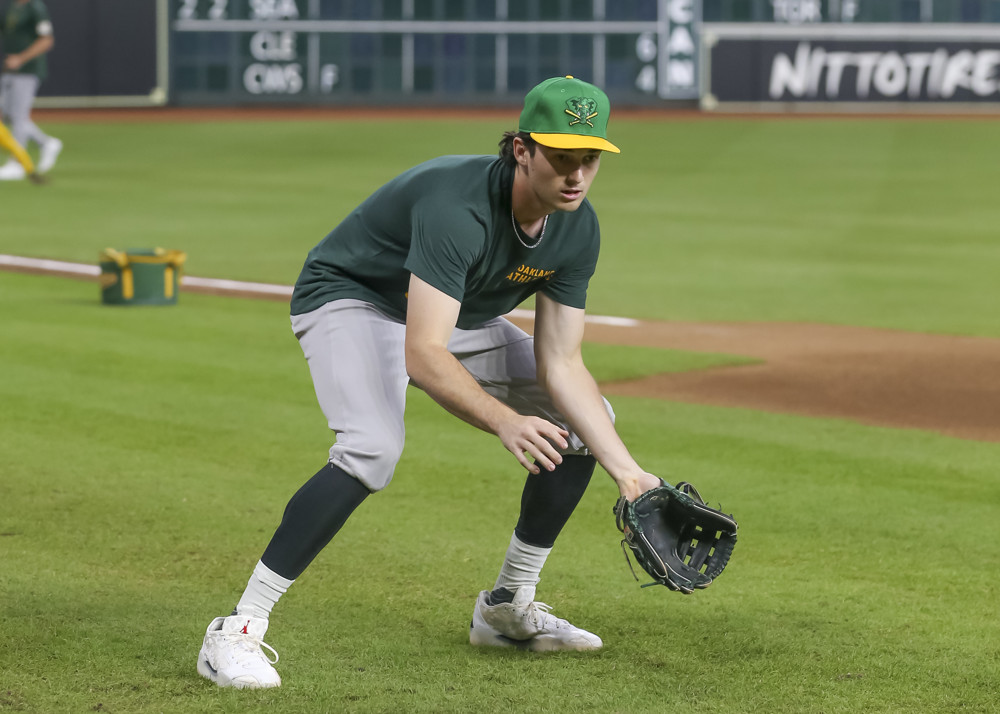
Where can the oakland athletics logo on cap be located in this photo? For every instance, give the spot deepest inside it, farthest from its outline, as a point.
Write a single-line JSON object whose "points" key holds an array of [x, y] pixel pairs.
{"points": [[567, 113], [581, 109]]}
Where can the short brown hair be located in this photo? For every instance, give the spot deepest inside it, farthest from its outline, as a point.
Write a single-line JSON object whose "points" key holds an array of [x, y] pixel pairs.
{"points": [[507, 146]]}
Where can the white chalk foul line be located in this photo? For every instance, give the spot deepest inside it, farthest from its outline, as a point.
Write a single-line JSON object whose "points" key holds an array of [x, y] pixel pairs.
{"points": [[59, 267], [593, 319], [48, 266], [236, 286]]}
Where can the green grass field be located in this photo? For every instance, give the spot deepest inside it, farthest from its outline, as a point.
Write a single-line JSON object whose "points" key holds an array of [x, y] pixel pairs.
{"points": [[147, 453]]}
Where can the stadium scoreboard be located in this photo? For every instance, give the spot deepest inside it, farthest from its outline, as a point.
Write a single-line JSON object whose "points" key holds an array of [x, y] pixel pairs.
{"points": [[428, 51]]}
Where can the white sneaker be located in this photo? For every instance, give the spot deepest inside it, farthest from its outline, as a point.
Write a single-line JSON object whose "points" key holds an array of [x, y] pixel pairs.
{"points": [[526, 624], [231, 655], [12, 171], [48, 154]]}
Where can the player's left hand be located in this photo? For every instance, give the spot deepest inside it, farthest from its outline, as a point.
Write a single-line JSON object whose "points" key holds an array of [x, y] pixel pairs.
{"points": [[13, 62], [632, 487]]}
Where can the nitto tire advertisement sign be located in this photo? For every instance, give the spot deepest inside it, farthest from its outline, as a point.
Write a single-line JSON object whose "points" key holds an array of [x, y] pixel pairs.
{"points": [[833, 70]]}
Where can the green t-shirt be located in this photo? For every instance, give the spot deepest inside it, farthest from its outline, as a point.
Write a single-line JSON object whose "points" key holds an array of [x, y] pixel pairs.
{"points": [[448, 221], [22, 25]]}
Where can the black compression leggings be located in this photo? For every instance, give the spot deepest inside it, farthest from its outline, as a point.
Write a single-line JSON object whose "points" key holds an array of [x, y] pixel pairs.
{"points": [[320, 508], [549, 499], [312, 518]]}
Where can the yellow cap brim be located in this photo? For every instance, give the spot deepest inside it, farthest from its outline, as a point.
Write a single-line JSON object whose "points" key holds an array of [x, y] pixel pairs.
{"points": [[575, 141]]}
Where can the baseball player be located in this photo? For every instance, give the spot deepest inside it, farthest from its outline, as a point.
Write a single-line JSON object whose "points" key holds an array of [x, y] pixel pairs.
{"points": [[411, 287], [27, 37]]}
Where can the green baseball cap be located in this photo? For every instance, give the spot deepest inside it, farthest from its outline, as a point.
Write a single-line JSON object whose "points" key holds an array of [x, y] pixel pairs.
{"points": [[567, 113]]}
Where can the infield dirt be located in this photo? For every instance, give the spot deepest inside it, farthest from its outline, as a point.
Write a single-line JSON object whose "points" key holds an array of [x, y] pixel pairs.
{"points": [[946, 384]]}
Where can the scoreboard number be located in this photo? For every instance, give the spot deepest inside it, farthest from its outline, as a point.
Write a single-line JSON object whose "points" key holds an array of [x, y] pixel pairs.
{"points": [[217, 10], [187, 10]]}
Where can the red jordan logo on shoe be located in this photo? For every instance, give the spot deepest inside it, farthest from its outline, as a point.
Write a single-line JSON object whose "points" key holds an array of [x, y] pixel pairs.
{"points": [[244, 630]]}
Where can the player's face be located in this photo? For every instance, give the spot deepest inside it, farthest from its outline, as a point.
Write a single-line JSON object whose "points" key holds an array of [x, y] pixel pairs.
{"points": [[560, 178]]}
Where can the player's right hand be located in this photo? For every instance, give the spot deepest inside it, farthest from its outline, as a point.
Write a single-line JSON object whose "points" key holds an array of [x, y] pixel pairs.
{"points": [[532, 438]]}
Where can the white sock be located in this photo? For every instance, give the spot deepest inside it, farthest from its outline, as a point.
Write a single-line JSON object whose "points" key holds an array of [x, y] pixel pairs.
{"points": [[522, 565], [263, 590]]}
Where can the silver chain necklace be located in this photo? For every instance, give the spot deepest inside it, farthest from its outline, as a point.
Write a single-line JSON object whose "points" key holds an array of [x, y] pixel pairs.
{"points": [[517, 231]]}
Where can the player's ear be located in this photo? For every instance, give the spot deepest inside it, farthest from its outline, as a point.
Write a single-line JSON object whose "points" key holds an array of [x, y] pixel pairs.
{"points": [[520, 151]]}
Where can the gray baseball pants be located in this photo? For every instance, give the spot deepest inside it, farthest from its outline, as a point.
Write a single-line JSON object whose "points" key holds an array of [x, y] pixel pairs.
{"points": [[356, 358], [17, 96]]}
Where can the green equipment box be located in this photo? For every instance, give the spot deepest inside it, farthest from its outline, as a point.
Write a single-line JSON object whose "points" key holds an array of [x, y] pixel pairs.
{"points": [[140, 277]]}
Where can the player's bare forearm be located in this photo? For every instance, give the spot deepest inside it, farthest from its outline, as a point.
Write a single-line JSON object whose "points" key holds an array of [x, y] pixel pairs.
{"points": [[561, 370], [575, 393], [437, 372], [40, 46], [431, 317]]}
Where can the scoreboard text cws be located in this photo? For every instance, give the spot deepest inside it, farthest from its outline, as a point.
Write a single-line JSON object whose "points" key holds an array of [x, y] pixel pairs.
{"points": [[275, 65]]}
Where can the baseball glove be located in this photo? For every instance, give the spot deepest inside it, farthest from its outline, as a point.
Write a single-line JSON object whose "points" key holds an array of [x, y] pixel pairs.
{"points": [[682, 543]]}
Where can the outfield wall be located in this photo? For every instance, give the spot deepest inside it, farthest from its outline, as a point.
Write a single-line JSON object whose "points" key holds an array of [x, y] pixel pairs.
{"points": [[821, 55], [108, 53]]}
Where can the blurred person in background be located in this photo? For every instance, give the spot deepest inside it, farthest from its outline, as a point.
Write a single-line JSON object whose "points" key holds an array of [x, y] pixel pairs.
{"points": [[26, 35]]}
